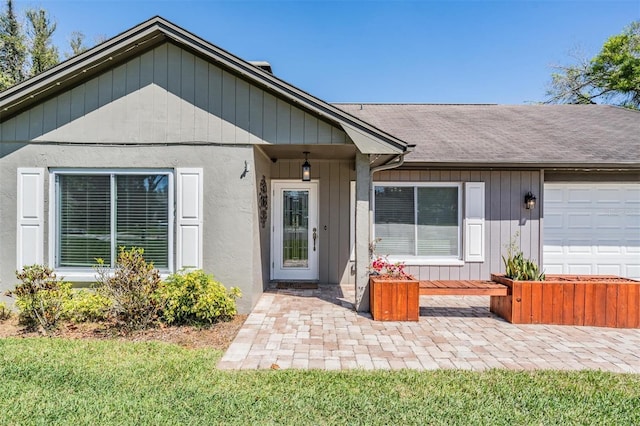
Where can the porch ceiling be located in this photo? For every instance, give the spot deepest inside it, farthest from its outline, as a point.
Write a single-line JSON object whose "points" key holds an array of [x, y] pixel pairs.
{"points": [[316, 152]]}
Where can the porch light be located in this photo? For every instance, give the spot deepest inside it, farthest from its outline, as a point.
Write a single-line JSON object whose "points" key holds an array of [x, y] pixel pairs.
{"points": [[529, 201], [306, 168]]}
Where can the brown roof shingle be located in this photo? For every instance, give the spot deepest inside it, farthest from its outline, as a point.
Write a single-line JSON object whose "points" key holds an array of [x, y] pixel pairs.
{"points": [[550, 135]]}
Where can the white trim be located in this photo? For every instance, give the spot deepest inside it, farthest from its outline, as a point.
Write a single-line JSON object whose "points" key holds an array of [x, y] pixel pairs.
{"points": [[352, 221], [313, 270], [30, 217], [425, 260], [195, 219], [474, 227], [84, 274]]}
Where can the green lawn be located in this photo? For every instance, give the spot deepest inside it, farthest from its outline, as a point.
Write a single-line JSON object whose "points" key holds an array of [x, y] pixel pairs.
{"points": [[56, 381]]}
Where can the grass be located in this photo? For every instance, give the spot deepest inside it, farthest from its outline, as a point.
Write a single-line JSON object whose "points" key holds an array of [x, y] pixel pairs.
{"points": [[58, 381]]}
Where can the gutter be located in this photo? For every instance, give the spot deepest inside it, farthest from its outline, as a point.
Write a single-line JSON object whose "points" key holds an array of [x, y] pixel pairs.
{"points": [[394, 163]]}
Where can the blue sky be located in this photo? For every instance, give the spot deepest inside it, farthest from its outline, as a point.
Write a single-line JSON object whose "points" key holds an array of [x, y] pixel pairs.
{"points": [[380, 51]]}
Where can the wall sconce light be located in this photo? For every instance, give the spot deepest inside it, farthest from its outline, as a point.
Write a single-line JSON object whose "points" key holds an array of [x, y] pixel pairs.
{"points": [[529, 201], [306, 168]]}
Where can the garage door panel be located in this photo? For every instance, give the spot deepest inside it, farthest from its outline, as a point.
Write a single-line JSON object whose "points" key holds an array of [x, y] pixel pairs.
{"points": [[578, 221], [633, 247], [578, 247], [554, 221], [632, 271], [609, 270], [607, 221], [579, 196], [554, 196], [608, 247], [553, 247], [580, 269], [553, 269], [592, 228]]}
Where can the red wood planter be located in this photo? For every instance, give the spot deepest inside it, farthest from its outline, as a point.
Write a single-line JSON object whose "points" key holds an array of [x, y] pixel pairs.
{"points": [[602, 301], [394, 300]]}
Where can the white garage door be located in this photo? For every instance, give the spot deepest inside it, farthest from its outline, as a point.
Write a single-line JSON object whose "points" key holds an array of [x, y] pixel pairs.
{"points": [[592, 228]]}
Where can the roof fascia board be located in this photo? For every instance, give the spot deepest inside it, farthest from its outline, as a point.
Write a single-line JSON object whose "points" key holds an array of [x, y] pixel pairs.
{"points": [[124, 42], [421, 165]]}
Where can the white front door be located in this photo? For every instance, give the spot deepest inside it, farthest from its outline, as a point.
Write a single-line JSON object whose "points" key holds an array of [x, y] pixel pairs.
{"points": [[294, 250]]}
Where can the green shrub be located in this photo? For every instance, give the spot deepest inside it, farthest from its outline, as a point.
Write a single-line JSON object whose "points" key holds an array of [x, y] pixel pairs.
{"points": [[5, 313], [197, 298], [40, 297], [86, 305], [517, 267], [131, 286]]}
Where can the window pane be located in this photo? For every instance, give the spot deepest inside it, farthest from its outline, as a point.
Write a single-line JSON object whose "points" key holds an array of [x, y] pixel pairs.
{"points": [[84, 220], [142, 206], [438, 221], [395, 220], [295, 229]]}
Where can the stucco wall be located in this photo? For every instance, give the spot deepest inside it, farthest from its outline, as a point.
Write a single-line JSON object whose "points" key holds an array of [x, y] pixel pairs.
{"points": [[230, 214]]}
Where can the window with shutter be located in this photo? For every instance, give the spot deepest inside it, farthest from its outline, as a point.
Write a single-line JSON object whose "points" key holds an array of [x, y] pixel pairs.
{"points": [[99, 212], [421, 221]]}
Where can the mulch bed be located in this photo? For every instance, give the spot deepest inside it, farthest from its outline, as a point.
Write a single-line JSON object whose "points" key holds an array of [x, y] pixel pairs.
{"points": [[217, 336]]}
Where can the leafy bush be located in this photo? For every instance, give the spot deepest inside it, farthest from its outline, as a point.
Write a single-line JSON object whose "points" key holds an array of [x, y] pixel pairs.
{"points": [[5, 313], [131, 286], [196, 297], [85, 306], [517, 267], [40, 297]]}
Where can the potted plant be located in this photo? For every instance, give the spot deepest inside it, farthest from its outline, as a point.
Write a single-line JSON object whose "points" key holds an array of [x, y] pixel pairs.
{"points": [[394, 294], [592, 300]]}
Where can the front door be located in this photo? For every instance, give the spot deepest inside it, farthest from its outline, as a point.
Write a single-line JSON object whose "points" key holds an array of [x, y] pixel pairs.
{"points": [[294, 252]]}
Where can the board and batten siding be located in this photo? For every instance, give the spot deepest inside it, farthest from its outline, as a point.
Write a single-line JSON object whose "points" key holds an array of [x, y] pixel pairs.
{"points": [[334, 209], [505, 216], [168, 94]]}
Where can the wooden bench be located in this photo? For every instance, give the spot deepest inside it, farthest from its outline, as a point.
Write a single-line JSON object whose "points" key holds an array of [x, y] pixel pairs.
{"points": [[462, 288]]}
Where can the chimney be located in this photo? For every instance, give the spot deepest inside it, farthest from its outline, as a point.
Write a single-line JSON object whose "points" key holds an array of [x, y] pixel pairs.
{"points": [[263, 65]]}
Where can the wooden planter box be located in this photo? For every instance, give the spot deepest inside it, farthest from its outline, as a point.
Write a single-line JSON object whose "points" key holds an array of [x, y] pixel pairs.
{"points": [[394, 300], [594, 300]]}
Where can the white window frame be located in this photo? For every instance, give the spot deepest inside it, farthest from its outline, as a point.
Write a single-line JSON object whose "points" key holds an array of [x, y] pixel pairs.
{"points": [[88, 274], [426, 260]]}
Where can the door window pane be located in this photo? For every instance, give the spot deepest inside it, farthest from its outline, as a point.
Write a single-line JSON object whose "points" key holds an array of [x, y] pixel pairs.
{"points": [[295, 229]]}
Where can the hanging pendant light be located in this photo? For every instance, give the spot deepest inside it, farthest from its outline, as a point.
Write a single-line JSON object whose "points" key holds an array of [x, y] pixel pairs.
{"points": [[306, 168]]}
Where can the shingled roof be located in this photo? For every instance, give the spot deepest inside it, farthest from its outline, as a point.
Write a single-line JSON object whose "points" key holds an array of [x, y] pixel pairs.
{"points": [[502, 135]]}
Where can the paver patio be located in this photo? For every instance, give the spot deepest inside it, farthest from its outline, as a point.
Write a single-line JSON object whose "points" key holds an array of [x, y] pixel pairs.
{"points": [[318, 329]]}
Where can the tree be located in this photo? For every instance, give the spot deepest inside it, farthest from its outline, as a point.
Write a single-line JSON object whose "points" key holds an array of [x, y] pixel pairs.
{"points": [[13, 49], [44, 54], [612, 76], [76, 42]]}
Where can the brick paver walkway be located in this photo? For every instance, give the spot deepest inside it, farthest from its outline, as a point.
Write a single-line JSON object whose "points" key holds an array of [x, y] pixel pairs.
{"points": [[319, 329]]}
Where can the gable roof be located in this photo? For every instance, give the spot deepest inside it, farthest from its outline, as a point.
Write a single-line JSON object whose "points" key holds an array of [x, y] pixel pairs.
{"points": [[157, 30], [503, 135]]}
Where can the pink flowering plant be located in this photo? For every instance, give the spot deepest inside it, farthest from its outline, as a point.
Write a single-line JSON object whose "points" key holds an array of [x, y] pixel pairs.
{"points": [[382, 267]]}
